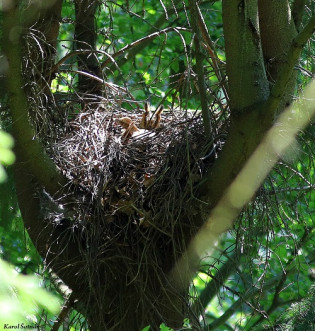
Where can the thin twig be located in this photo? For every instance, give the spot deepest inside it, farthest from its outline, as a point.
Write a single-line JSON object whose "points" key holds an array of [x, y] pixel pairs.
{"points": [[211, 50], [141, 41], [64, 312]]}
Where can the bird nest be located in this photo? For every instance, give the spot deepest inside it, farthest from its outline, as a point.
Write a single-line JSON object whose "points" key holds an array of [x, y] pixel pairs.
{"points": [[130, 196], [130, 179]]}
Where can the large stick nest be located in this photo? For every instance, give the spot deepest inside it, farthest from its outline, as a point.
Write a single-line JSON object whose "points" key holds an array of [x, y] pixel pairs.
{"points": [[145, 180], [132, 199]]}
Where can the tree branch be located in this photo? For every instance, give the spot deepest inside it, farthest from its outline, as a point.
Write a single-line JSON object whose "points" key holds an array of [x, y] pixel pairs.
{"points": [[34, 170], [242, 141], [67, 306], [276, 41], [217, 281], [277, 281], [140, 43], [247, 80], [297, 12], [137, 48], [85, 37], [294, 52], [288, 270], [211, 50], [199, 69], [28, 150], [234, 196], [236, 305]]}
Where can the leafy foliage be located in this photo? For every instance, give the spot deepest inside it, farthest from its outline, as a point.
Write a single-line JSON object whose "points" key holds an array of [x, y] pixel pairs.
{"points": [[20, 296], [300, 316], [6, 155]]}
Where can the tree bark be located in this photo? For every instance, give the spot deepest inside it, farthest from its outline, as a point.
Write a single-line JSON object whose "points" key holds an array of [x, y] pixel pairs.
{"points": [[85, 39], [247, 79], [33, 169], [248, 90]]}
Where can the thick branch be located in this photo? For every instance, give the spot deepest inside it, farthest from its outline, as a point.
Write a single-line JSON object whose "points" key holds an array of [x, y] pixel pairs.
{"points": [[277, 31], [248, 127], [85, 38], [247, 79], [235, 195], [293, 55], [29, 151], [297, 12], [34, 170]]}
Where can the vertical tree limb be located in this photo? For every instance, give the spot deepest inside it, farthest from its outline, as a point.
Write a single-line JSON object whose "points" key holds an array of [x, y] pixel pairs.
{"points": [[33, 169], [199, 69], [247, 79], [276, 42], [29, 151], [85, 38], [285, 76], [211, 50], [297, 12]]}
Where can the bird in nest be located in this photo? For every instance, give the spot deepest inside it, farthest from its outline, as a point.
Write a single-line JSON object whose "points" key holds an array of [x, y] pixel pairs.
{"points": [[146, 123]]}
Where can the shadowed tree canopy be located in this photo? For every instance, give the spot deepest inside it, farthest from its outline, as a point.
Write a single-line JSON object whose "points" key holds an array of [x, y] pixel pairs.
{"points": [[134, 125]]}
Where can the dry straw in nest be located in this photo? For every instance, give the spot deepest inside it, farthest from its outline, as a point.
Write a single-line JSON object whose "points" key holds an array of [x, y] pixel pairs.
{"points": [[139, 180]]}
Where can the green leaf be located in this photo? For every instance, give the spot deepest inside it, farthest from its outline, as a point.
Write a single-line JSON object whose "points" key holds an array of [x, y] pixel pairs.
{"points": [[3, 175], [20, 296], [163, 327], [6, 141], [7, 157], [151, 11]]}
